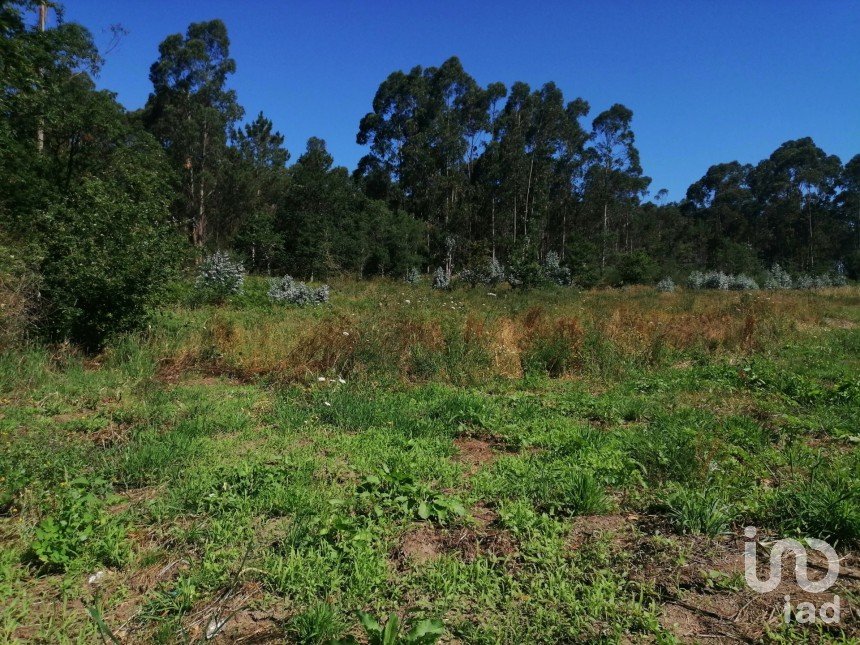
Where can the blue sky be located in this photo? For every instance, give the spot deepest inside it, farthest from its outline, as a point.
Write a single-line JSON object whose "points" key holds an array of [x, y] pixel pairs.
{"points": [[707, 81]]}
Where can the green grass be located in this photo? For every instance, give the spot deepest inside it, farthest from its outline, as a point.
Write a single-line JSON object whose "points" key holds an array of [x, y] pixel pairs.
{"points": [[556, 493]]}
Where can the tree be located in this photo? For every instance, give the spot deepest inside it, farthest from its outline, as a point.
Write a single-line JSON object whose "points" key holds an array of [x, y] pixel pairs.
{"points": [[615, 174], [191, 112], [796, 187], [257, 181], [90, 204]]}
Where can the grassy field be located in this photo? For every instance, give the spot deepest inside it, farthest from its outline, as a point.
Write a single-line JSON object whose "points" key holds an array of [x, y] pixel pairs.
{"points": [[544, 467]]}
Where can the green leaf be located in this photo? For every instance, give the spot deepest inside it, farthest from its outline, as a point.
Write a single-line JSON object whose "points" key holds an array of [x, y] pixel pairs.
{"points": [[423, 510], [392, 628], [426, 632], [370, 624]]}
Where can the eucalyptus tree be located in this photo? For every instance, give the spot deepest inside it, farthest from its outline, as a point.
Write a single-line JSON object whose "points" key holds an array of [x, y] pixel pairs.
{"points": [[850, 204], [424, 135], [796, 189], [615, 177], [191, 111], [725, 211]]}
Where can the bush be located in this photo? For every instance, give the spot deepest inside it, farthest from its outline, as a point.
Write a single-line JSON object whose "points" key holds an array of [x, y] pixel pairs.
{"points": [[489, 275], [106, 256], [778, 278], [19, 293], [470, 277], [635, 268], [219, 277], [823, 281], [715, 280], [804, 281], [494, 274], [839, 278], [695, 280], [666, 285], [742, 282], [413, 276], [440, 279], [292, 291], [525, 272], [553, 271]]}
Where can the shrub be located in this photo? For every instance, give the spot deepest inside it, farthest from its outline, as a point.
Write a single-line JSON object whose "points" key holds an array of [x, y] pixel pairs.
{"points": [[525, 272], [413, 276], [778, 278], [489, 275], [106, 255], [840, 274], [666, 285], [19, 294], [742, 282], [292, 291], [715, 280], [219, 277], [804, 281], [553, 271], [440, 279], [494, 274], [695, 280], [470, 277], [823, 281], [636, 268]]}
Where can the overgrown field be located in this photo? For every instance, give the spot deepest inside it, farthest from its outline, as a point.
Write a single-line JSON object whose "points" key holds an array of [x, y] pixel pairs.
{"points": [[543, 467]]}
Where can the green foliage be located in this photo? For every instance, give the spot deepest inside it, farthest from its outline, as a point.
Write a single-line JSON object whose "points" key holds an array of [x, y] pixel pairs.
{"points": [[635, 268], [666, 285], [424, 632], [317, 625], [218, 277], [524, 270], [826, 505], [392, 491], [297, 293], [81, 528], [699, 511], [440, 279], [97, 282]]}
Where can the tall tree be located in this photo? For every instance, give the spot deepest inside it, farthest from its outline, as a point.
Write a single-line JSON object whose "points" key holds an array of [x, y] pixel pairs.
{"points": [[191, 112], [616, 179]]}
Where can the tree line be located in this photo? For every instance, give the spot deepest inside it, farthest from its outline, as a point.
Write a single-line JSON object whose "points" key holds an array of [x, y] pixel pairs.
{"points": [[106, 203]]}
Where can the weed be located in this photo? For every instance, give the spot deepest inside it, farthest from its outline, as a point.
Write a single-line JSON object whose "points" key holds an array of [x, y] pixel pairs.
{"points": [[424, 632], [698, 511]]}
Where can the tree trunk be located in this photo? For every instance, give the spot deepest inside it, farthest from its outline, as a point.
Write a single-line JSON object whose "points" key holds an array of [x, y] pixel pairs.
{"points": [[40, 127], [200, 222], [603, 251], [493, 227]]}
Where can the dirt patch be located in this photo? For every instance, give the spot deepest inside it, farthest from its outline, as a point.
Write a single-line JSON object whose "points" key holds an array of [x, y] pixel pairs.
{"points": [[471, 543], [235, 617], [421, 544], [426, 542], [587, 527], [706, 597], [483, 515], [69, 417], [836, 323], [474, 453]]}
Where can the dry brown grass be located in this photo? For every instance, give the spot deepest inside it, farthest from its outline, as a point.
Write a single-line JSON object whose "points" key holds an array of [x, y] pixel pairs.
{"points": [[489, 339]]}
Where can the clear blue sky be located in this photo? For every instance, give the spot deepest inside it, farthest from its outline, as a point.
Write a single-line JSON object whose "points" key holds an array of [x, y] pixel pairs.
{"points": [[707, 81]]}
